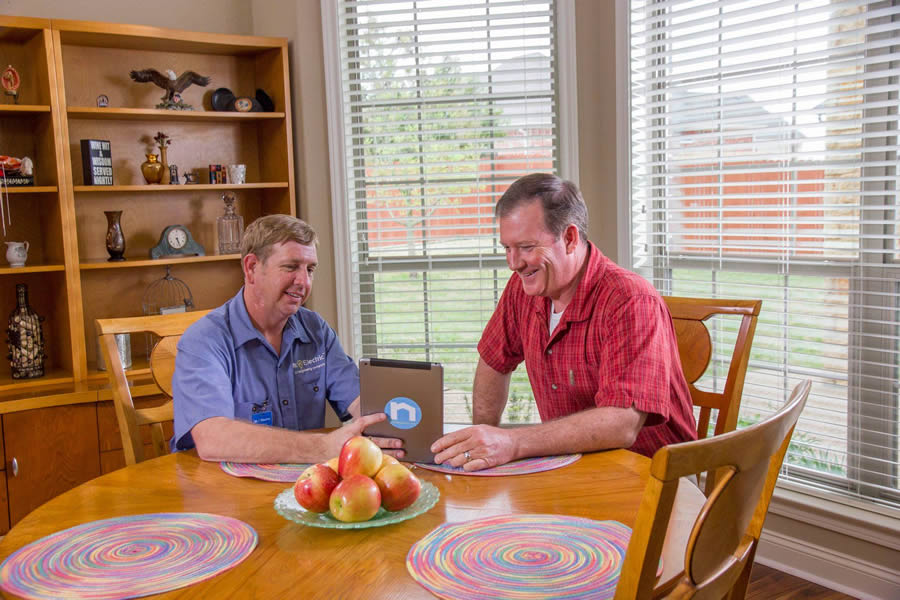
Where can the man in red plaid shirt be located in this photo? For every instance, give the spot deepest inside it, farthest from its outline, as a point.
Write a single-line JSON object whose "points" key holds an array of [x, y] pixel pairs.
{"points": [[597, 341]]}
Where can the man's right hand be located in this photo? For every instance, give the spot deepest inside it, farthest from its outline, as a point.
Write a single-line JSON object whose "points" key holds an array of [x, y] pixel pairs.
{"points": [[335, 440]]}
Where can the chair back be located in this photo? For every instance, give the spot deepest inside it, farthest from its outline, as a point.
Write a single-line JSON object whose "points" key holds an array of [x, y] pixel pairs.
{"points": [[695, 350], [162, 366], [722, 544]]}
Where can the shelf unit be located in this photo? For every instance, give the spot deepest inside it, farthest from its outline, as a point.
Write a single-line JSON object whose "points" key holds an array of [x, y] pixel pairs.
{"points": [[65, 65]]}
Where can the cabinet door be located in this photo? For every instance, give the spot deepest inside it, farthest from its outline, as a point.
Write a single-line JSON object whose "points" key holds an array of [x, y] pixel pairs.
{"points": [[54, 450]]}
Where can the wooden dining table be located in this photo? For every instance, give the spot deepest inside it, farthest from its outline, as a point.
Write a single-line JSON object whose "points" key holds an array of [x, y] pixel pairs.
{"points": [[293, 560]]}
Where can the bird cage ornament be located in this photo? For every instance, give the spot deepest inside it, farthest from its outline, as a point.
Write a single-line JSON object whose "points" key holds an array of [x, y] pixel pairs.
{"points": [[165, 296]]}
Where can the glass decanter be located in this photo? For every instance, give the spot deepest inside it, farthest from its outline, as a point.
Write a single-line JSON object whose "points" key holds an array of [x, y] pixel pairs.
{"points": [[230, 227]]}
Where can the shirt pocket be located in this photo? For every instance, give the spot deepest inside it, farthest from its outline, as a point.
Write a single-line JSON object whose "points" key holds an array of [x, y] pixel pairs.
{"points": [[244, 410]]}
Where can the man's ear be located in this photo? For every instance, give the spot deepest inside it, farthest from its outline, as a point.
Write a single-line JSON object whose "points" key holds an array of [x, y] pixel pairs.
{"points": [[571, 238], [249, 264]]}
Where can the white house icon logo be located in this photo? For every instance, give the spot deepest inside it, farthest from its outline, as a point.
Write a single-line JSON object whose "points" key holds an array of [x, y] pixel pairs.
{"points": [[403, 413]]}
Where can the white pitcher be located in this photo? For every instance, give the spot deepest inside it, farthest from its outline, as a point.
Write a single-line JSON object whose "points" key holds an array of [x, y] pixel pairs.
{"points": [[16, 253]]}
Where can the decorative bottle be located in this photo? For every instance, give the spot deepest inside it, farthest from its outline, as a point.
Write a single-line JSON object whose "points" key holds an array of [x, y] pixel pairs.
{"points": [[230, 227], [25, 337]]}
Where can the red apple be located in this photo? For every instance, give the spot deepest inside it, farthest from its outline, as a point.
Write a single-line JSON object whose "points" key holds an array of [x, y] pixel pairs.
{"points": [[314, 486], [359, 455], [333, 463], [356, 498], [387, 459], [399, 487]]}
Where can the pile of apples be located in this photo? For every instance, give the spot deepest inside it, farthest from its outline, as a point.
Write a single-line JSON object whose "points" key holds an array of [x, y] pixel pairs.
{"points": [[355, 484]]}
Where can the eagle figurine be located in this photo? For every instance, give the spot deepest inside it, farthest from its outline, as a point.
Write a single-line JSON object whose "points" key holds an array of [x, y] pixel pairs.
{"points": [[172, 84]]}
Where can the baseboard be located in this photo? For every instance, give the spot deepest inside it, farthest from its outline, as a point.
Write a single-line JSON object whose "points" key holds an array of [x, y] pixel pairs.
{"points": [[825, 566]]}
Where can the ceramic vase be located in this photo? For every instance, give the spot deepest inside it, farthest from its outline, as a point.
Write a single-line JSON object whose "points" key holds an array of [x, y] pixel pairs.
{"points": [[115, 239], [165, 177], [25, 337], [152, 169]]}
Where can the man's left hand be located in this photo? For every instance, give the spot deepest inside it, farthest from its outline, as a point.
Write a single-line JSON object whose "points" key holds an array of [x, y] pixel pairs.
{"points": [[475, 448]]}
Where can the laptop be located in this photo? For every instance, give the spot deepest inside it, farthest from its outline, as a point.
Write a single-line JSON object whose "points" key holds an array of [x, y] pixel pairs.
{"points": [[412, 395]]}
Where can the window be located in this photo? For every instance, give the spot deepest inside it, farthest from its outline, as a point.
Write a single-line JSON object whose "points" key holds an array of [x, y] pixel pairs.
{"points": [[764, 165], [444, 103]]}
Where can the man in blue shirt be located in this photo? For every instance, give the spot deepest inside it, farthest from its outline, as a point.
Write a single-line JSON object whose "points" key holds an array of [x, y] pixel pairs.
{"points": [[254, 373]]}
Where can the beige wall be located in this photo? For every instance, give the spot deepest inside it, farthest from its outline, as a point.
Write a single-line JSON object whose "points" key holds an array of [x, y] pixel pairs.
{"points": [[598, 98], [216, 16], [301, 22]]}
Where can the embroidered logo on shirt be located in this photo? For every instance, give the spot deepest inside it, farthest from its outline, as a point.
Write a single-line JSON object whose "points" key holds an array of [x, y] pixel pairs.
{"points": [[310, 364]]}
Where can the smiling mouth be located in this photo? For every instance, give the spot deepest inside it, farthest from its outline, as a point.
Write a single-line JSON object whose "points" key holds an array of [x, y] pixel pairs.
{"points": [[527, 275], [295, 295]]}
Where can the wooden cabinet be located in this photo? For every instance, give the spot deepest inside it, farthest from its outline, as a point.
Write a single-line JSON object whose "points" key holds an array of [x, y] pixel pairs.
{"points": [[65, 66], [48, 451]]}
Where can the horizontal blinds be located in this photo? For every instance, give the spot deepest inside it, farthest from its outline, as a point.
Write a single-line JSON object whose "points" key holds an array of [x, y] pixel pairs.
{"points": [[445, 104], [764, 165]]}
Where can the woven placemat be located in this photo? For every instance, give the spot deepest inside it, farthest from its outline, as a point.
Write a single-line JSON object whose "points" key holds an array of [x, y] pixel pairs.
{"points": [[522, 557], [285, 472], [516, 467], [127, 557]]}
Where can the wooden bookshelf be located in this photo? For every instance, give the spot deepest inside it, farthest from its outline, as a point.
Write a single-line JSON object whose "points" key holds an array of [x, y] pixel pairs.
{"points": [[65, 65]]}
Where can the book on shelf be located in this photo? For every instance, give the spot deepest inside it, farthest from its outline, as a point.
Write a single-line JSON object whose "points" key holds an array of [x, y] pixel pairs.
{"points": [[96, 162]]}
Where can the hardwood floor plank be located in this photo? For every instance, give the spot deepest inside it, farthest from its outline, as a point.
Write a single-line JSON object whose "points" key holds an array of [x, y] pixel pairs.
{"points": [[767, 583]]}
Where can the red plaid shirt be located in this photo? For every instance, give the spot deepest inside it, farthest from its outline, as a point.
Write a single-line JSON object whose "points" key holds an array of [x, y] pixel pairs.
{"points": [[614, 346]]}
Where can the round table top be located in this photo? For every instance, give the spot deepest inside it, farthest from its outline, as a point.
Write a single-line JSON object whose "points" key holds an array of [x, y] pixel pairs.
{"points": [[294, 560]]}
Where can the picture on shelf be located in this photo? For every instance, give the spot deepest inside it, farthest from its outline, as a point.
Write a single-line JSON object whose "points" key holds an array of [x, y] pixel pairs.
{"points": [[96, 162], [16, 172]]}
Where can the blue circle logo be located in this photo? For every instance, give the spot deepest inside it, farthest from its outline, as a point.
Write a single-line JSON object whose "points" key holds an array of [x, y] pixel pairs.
{"points": [[403, 413]]}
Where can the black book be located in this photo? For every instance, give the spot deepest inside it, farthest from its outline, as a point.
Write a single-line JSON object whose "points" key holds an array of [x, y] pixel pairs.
{"points": [[96, 162]]}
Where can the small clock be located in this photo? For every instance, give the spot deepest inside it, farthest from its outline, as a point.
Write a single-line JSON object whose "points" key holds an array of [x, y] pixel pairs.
{"points": [[176, 240]]}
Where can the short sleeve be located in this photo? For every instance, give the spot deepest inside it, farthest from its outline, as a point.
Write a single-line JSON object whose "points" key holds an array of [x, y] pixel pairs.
{"points": [[501, 346], [342, 375], [636, 361], [201, 387]]}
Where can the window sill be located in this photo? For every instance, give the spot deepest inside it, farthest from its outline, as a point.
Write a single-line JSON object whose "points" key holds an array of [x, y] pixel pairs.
{"points": [[847, 516]]}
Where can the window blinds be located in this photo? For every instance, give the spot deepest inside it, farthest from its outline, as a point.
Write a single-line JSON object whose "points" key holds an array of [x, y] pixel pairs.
{"points": [[445, 103], [764, 165]]}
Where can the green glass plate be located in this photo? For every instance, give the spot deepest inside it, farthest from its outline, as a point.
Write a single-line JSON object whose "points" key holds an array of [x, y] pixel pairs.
{"points": [[286, 506]]}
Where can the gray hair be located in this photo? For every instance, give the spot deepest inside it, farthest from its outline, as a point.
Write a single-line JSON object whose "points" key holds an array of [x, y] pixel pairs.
{"points": [[560, 199]]}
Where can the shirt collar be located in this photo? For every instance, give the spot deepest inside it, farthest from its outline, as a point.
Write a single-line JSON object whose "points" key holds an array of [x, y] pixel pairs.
{"points": [[243, 330]]}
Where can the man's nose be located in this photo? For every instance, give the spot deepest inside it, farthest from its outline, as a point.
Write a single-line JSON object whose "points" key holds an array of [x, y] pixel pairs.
{"points": [[513, 259], [302, 278]]}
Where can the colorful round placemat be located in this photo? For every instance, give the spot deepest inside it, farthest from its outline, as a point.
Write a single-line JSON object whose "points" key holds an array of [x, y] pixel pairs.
{"points": [[284, 472], [127, 557], [522, 557], [516, 467]]}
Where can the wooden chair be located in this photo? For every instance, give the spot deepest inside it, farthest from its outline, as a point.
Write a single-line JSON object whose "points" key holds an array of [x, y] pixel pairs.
{"points": [[695, 350], [724, 537], [162, 366]]}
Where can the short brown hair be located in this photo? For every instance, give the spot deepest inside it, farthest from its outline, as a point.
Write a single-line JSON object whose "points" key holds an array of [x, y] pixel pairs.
{"points": [[265, 232], [560, 199]]}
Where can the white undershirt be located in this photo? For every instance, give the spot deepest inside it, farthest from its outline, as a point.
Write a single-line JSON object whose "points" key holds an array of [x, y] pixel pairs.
{"points": [[554, 319]]}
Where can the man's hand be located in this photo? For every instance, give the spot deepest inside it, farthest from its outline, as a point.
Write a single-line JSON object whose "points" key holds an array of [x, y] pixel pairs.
{"points": [[475, 448], [334, 441]]}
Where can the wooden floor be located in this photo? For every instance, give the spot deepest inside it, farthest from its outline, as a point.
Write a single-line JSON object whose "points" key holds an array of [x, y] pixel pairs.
{"points": [[768, 584]]}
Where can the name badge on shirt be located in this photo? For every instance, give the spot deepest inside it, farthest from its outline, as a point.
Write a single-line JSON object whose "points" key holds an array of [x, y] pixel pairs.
{"points": [[262, 418]]}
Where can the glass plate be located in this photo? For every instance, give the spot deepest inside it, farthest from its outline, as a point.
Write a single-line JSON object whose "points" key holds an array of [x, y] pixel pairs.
{"points": [[286, 506]]}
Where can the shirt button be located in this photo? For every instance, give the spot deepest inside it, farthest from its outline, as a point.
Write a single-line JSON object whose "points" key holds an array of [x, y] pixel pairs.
{"points": [[550, 351], [553, 386], [315, 388], [284, 402]]}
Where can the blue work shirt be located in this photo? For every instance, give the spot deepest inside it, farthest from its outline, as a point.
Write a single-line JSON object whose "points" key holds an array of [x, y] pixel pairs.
{"points": [[226, 368]]}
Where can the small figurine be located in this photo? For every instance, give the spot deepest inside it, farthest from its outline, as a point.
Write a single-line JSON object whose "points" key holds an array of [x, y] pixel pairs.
{"points": [[102, 101], [171, 84], [190, 177], [11, 80]]}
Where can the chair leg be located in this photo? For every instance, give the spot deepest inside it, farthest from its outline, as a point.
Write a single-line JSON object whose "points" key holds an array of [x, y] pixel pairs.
{"points": [[739, 589]]}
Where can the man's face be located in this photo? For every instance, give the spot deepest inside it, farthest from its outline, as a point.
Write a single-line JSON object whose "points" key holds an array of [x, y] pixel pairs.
{"points": [[539, 258], [284, 281]]}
